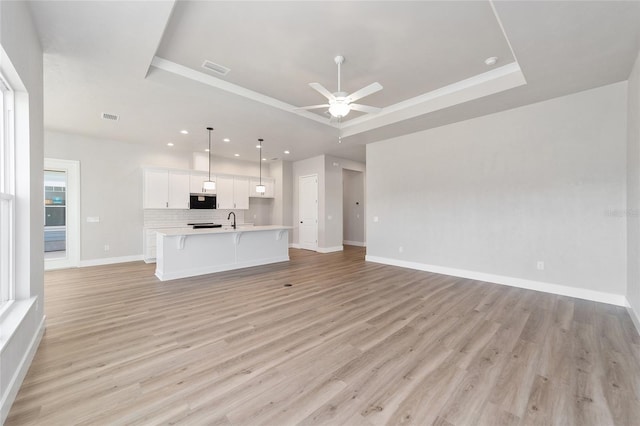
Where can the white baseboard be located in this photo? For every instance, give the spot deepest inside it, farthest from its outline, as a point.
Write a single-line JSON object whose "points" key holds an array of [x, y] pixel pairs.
{"points": [[563, 290], [354, 243], [21, 372], [634, 316], [294, 245], [329, 249], [110, 260]]}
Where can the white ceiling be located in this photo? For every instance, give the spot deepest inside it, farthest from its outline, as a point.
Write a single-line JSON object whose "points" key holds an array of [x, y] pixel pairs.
{"points": [[142, 61]]}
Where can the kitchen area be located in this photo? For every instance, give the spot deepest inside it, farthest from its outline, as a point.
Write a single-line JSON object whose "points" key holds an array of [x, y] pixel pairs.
{"points": [[189, 230]]}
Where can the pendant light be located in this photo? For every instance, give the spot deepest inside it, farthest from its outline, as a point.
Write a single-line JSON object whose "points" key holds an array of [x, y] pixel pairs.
{"points": [[260, 188], [209, 185]]}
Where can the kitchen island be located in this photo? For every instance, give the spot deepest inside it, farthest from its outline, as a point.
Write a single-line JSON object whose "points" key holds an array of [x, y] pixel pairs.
{"points": [[186, 252]]}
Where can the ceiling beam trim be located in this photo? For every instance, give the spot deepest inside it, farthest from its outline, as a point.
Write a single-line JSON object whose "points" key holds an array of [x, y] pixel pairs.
{"points": [[488, 83], [209, 80]]}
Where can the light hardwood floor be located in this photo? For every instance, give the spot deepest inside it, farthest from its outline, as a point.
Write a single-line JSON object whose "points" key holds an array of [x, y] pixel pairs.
{"points": [[348, 343]]}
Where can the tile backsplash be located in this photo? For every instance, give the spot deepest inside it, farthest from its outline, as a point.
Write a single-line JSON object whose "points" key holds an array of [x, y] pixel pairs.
{"points": [[165, 218]]}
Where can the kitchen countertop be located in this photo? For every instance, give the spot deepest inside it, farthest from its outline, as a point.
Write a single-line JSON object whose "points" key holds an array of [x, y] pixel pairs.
{"points": [[224, 230]]}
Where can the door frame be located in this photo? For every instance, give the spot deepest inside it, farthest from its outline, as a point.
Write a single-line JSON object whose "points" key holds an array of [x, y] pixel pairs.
{"points": [[300, 244], [72, 169]]}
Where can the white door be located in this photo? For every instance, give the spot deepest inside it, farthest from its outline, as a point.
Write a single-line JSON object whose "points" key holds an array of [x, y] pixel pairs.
{"points": [[308, 212], [62, 213]]}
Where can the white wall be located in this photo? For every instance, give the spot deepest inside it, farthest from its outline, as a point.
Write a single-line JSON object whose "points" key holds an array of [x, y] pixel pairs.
{"points": [[353, 207], [22, 325], [491, 196], [111, 188], [633, 192]]}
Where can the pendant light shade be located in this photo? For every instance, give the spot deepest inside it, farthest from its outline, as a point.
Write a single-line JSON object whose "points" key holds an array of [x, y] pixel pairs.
{"points": [[209, 185], [260, 188]]}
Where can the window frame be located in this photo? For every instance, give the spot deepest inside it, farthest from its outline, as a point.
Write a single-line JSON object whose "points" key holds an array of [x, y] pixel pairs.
{"points": [[7, 196]]}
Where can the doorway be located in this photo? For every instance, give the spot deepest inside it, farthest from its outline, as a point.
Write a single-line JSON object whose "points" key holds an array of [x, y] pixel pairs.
{"points": [[61, 213], [353, 208], [308, 212]]}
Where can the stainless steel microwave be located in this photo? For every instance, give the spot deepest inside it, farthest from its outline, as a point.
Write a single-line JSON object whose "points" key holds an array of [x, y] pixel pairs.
{"points": [[202, 201]]}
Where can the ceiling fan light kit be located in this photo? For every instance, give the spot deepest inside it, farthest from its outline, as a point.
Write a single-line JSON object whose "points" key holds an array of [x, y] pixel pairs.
{"points": [[340, 103]]}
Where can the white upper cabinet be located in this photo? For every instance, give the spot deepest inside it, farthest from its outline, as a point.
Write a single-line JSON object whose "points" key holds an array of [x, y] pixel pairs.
{"points": [[166, 189], [269, 184], [178, 190], [156, 189], [241, 192], [233, 192], [170, 189]]}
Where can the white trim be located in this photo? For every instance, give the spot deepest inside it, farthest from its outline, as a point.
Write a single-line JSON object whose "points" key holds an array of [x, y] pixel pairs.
{"points": [[16, 381], [221, 84], [185, 273], [329, 249], [110, 260], [354, 243], [494, 81], [563, 290], [634, 316], [295, 246]]}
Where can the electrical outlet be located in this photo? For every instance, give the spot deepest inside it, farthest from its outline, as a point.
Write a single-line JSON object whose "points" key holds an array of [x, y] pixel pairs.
{"points": [[540, 265], [106, 247], [375, 219], [400, 249]]}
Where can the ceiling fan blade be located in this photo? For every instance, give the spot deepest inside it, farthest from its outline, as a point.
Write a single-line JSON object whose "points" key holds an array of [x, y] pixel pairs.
{"points": [[365, 91], [365, 108], [324, 92], [314, 107]]}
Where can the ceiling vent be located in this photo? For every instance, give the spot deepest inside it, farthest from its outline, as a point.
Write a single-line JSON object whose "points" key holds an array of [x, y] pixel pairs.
{"points": [[218, 69], [107, 116]]}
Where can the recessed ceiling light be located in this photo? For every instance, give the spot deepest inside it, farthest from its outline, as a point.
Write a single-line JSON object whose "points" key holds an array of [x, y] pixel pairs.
{"points": [[206, 150], [287, 152], [264, 159], [491, 61], [236, 155], [170, 144], [226, 140], [184, 132]]}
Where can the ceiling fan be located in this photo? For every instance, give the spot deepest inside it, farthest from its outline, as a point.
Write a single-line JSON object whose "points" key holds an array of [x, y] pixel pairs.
{"points": [[340, 103]]}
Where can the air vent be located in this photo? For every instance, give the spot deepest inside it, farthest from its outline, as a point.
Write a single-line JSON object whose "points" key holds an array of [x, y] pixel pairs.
{"points": [[107, 116], [218, 69]]}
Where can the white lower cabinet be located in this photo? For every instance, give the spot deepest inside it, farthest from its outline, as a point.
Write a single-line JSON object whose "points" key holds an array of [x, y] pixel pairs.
{"points": [[149, 244]]}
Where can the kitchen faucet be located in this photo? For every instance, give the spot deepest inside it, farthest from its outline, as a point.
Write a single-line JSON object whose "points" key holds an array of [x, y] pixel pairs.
{"points": [[234, 219]]}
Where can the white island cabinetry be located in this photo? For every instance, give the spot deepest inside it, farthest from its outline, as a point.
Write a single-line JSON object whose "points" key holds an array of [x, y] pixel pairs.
{"points": [[186, 252]]}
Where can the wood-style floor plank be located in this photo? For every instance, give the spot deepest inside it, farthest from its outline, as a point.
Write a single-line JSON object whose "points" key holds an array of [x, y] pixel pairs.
{"points": [[348, 343]]}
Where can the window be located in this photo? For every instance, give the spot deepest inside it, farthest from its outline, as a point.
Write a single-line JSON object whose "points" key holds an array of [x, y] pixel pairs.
{"points": [[7, 194]]}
